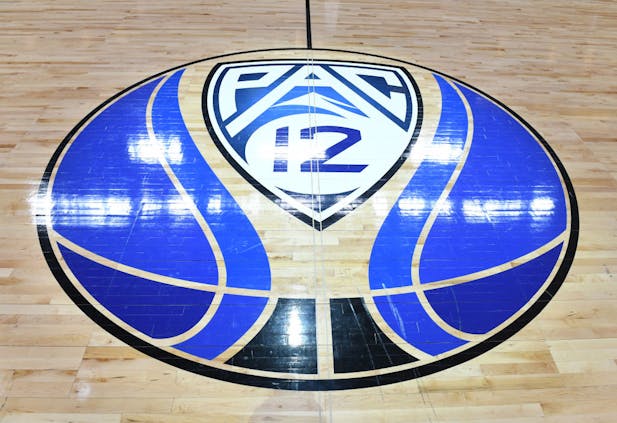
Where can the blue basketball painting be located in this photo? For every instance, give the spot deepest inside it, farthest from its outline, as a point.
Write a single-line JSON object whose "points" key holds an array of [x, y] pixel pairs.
{"points": [[333, 223]]}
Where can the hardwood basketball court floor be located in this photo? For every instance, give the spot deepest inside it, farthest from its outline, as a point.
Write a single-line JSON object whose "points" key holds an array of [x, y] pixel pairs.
{"points": [[308, 211]]}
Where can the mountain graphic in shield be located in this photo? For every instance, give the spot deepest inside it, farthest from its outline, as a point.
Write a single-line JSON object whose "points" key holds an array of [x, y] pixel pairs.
{"points": [[319, 137]]}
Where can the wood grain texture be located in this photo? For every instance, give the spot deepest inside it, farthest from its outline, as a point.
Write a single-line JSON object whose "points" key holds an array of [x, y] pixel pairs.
{"points": [[554, 64]]}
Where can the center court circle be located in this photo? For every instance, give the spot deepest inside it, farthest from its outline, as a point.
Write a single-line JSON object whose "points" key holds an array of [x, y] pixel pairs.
{"points": [[307, 219]]}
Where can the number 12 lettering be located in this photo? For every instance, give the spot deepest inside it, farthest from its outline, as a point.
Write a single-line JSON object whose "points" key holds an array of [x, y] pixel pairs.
{"points": [[318, 164]]}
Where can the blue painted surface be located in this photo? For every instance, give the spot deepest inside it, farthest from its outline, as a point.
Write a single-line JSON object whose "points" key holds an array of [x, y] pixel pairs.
{"points": [[246, 262], [156, 309], [408, 318], [124, 207], [507, 201], [481, 305], [390, 263], [235, 315], [112, 197]]}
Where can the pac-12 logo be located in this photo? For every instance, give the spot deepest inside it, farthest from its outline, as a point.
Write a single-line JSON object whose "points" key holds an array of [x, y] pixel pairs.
{"points": [[307, 219], [283, 122]]}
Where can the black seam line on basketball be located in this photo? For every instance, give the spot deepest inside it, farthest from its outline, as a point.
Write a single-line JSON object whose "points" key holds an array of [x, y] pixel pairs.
{"points": [[355, 315], [351, 206], [309, 35], [310, 385]]}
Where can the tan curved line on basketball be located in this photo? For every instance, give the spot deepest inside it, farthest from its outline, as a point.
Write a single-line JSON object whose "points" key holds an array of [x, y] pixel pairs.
{"points": [[218, 289], [255, 328], [476, 338], [391, 334], [104, 261], [155, 277], [167, 281], [535, 297], [415, 261], [218, 362], [44, 207], [59, 240], [471, 277], [84, 292], [564, 237], [198, 286], [188, 202], [221, 289], [561, 238]]}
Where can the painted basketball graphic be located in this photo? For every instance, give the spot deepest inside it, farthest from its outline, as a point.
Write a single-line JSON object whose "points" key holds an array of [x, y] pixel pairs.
{"points": [[208, 215]]}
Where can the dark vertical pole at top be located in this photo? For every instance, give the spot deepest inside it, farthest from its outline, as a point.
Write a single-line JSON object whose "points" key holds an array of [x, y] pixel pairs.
{"points": [[309, 40]]}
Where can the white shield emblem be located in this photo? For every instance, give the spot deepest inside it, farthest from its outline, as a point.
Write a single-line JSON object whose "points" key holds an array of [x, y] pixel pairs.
{"points": [[317, 138]]}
